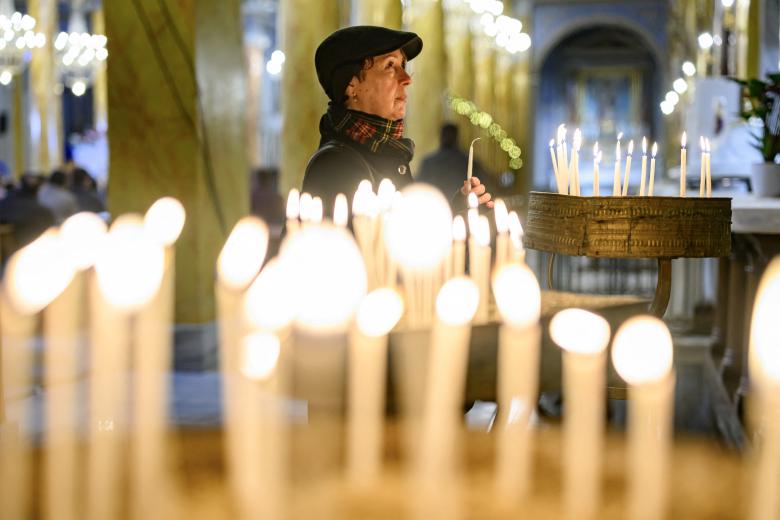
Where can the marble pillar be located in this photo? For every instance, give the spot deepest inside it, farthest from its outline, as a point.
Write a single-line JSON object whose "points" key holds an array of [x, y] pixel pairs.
{"points": [[303, 26], [460, 71], [385, 13], [425, 110], [45, 107], [176, 97], [99, 84]]}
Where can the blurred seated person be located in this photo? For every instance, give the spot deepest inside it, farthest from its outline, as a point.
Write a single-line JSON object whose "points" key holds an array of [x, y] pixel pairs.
{"points": [[84, 188], [446, 167], [266, 201], [21, 209], [56, 197]]}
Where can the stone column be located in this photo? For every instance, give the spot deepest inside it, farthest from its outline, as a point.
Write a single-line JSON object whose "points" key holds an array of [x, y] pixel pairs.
{"points": [[426, 96], [176, 97], [99, 84], [304, 24], [45, 106], [460, 71], [521, 106], [385, 13]]}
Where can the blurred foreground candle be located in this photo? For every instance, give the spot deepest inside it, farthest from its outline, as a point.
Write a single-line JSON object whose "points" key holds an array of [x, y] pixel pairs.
{"points": [[563, 162], [419, 237], [377, 315], [643, 179], [519, 302], [502, 234], [128, 273], [764, 363], [517, 254], [652, 170], [35, 276], [341, 210], [293, 211], [480, 268], [456, 304], [596, 161], [616, 181], [629, 156], [642, 354], [458, 246], [708, 174], [583, 336], [702, 167], [470, 168], [683, 163]]}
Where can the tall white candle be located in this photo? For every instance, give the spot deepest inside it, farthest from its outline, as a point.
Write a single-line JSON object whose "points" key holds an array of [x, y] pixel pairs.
{"points": [[583, 336], [642, 354], [708, 157], [293, 211], [683, 163], [519, 301], [702, 167], [596, 161], [555, 165], [377, 315], [480, 268], [629, 156], [340, 210], [764, 364], [643, 179], [576, 144], [616, 181], [502, 234], [652, 170], [470, 169], [563, 171], [458, 246], [517, 254]]}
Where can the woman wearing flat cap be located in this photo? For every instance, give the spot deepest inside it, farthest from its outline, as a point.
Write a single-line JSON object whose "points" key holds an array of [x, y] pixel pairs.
{"points": [[363, 71]]}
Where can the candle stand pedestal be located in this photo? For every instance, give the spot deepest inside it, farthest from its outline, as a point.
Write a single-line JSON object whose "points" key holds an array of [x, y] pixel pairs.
{"points": [[663, 228]]}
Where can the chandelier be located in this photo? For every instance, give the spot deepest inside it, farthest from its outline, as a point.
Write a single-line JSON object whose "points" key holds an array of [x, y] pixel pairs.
{"points": [[79, 54], [17, 39]]}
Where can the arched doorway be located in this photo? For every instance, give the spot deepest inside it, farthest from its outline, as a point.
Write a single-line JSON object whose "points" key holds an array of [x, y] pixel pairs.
{"points": [[604, 79]]}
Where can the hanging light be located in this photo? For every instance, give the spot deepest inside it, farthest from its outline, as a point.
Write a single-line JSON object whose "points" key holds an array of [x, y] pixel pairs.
{"points": [[17, 39], [79, 53]]}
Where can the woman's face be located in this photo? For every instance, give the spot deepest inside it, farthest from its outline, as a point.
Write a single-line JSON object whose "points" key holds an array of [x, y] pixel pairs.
{"points": [[382, 89]]}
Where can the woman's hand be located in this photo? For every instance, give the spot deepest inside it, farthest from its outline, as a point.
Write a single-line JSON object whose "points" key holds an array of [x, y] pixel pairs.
{"points": [[478, 189]]}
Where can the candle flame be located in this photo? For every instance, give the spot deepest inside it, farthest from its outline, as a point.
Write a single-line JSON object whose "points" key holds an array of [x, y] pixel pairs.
{"points": [[595, 149], [316, 210], [419, 230], [517, 294], [644, 145], [501, 216], [642, 350], [655, 149], [631, 147], [619, 136], [764, 332], [552, 143], [472, 200], [580, 331], [260, 355], [243, 253], [340, 210], [269, 303], [515, 227], [577, 142], [36, 275], [707, 144], [385, 194], [482, 233], [561, 134], [617, 151], [293, 204], [701, 142], [305, 210], [684, 139], [83, 235], [458, 228], [457, 301], [379, 312], [164, 221], [130, 267]]}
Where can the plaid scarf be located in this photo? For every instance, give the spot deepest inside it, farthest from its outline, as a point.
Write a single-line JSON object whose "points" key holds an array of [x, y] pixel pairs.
{"points": [[376, 134]]}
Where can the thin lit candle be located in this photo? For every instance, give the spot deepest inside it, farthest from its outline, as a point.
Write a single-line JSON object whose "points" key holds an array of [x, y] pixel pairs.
{"points": [[616, 181], [629, 156], [683, 163], [565, 158], [583, 336], [652, 170], [576, 144], [502, 233], [643, 178], [708, 157], [293, 211], [702, 167], [596, 161], [518, 299], [517, 253], [458, 246], [555, 165], [340, 210], [480, 268], [642, 355]]}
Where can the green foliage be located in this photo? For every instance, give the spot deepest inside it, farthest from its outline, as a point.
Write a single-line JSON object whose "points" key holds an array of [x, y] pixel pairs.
{"points": [[759, 103]]}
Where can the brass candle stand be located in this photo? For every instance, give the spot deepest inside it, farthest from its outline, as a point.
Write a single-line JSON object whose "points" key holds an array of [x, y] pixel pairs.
{"points": [[663, 228]]}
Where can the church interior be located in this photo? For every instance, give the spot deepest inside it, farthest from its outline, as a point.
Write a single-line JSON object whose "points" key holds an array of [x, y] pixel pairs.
{"points": [[186, 333]]}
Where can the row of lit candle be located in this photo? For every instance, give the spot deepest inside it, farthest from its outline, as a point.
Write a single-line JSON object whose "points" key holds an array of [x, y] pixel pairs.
{"points": [[567, 176]]}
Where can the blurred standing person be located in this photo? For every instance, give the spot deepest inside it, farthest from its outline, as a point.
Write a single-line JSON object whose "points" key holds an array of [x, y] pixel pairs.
{"points": [[84, 188], [26, 215], [56, 197]]}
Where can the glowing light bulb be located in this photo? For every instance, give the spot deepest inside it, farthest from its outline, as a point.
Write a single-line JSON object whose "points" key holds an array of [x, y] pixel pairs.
{"points": [[38, 273], [418, 233], [642, 350], [260, 355], [457, 301], [6, 77], [243, 253], [78, 88], [330, 276], [379, 312], [130, 267], [164, 220], [269, 302], [517, 294], [83, 235], [580, 331]]}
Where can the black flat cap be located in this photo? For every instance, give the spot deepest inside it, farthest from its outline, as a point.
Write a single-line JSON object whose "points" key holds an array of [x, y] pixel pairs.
{"points": [[338, 54]]}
